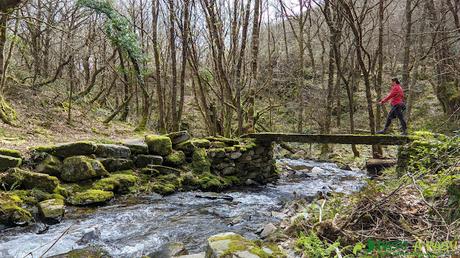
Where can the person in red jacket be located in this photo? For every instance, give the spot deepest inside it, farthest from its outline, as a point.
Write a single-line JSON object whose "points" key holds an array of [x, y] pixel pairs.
{"points": [[396, 96]]}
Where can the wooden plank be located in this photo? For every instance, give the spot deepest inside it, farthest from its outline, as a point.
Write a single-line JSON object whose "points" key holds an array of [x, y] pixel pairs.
{"points": [[331, 138]]}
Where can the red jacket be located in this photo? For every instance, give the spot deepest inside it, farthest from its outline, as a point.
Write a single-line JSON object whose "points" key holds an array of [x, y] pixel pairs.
{"points": [[396, 95]]}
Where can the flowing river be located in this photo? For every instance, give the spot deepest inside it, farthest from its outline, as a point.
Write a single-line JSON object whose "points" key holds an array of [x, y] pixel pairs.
{"points": [[128, 229]]}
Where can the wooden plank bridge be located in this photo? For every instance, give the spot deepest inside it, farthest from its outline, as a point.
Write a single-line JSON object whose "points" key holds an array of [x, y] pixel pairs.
{"points": [[331, 138]]}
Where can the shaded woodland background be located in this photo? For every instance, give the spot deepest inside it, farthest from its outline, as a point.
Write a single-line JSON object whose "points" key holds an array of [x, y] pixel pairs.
{"points": [[225, 67]]}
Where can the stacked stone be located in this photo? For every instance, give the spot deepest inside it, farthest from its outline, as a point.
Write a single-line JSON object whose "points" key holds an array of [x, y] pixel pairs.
{"points": [[88, 173], [252, 162]]}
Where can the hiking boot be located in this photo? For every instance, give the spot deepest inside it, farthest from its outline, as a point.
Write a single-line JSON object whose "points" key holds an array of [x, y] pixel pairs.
{"points": [[381, 132]]}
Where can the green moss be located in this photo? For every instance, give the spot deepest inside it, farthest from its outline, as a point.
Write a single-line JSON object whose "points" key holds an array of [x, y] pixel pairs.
{"points": [[227, 141], [7, 162], [34, 196], [190, 146], [16, 178], [200, 161], [217, 152], [11, 212], [118, 183], [176, 158], [11, 153], [159, 144], [62, 191], [201, 143], [230, 180], [209, 182], [166, 184], [90, 197], [163, 188]]}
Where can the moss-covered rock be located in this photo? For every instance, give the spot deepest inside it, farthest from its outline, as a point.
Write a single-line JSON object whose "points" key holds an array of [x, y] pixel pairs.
{"points": [[118, 183], [89, 252], [51, 209], [16, 178], [80, 168], [11, 153], [89, 197], [159, 144], [34, 196], [209, 182], [175, 159], [179, 137], [142, 161], [51, 165], [69, 149], [190, 146], [200, 161], [7, 162], [150, 172], [11, 212], [227, 141], [112, 151], [137, 146], [115, 164], [166, 184], [233, 245]]}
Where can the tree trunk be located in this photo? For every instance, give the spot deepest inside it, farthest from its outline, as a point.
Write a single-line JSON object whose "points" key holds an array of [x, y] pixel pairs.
{"points": [[156, 53]]}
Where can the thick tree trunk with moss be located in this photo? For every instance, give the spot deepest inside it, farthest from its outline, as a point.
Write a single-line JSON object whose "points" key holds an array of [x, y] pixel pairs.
{"points": [[7, 114]]}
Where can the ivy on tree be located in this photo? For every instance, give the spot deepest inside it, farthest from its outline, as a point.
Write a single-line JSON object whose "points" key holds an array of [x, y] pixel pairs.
{"points": [[118, 30]]}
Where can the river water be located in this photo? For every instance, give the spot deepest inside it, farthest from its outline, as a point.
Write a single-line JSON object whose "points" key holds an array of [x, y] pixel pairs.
{"points": [[141, 228]]}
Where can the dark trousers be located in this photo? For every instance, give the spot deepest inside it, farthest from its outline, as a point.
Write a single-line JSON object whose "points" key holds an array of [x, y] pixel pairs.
{"points": [[397, 112]]}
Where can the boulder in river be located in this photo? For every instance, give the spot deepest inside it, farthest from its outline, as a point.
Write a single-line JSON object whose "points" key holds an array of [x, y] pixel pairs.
{"points": [[112, 151], [317, 170], [90, 197], [159, 144], [88, 252], [198, 255], [268, 230], [170, 250], [7, 162], [52, 209], [80, 168], [231, 245], [23, 179]]}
